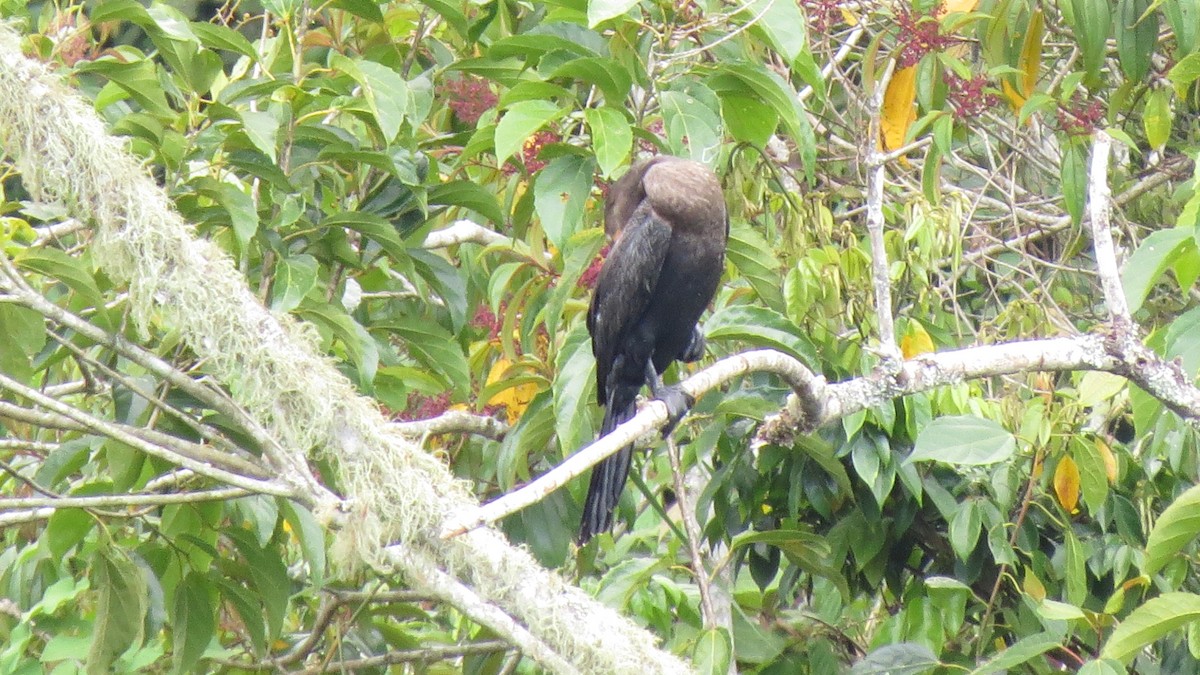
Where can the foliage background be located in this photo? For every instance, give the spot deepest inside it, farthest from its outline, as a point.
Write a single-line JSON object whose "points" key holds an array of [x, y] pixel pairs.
{"points": [[321, 143]]}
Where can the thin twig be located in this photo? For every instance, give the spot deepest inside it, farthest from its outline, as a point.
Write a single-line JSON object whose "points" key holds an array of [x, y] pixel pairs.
{"points": [[687, 511], [1100, 216]]}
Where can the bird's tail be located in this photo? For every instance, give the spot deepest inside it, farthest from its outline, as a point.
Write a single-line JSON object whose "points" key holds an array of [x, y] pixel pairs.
{"points": [[609, 476]]}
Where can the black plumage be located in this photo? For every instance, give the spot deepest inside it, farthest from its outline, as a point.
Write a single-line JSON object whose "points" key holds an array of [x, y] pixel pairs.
{"points": [[668, 219]]}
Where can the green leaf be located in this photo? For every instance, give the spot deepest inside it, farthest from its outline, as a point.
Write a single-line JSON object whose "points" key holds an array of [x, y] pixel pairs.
{"points": [[574, 390], [612, 138], [193, 621], [384, 90], [1137, 37], [1155, 254], [712, 652], [905, 658], [1022, 651], [1074, 180], [1153, 620], [760, 327], [269, 575], [1157, 118], [748, 118], [1093, 477], [755, 259], [776, 93], [436, 349], [1102, 667], [121, 604], [365, 9], [215, 36], [1184, 17], [380, 230], [964, 440], [1091, 21], [781, 22], [311, 536], [1184, 73], [138, 79], [262, 128], [599, 11], [608, 74], [359, 345], [468, 195], [1178, 525], [294, 278], [242, 213], [560, 195], [965, 528], [1074, 569], [693, 129], [519, 123]]}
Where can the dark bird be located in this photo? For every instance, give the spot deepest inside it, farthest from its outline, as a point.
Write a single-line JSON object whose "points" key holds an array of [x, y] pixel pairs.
{"points": [[667, 218]]}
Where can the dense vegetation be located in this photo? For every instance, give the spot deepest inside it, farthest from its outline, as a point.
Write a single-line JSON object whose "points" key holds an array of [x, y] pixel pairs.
{"points": [[1031, 522]]}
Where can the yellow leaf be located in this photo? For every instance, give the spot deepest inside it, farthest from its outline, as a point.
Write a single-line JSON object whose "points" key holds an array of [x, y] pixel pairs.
{"points": [[1110, 461], [951, 6], [1030, 61], [1066, 484], [1033, 586], [916, 342], [899, 107], [516, 398], [1015, 99], [850, 18]]}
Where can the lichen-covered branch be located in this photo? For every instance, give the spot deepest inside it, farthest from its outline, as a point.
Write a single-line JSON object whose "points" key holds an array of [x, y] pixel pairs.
{"points": [[394, 492]]}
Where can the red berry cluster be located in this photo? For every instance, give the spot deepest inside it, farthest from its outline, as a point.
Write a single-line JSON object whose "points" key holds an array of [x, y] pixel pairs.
{"points": [[822, 14], [486, 319], [469, 97], [1080, 117], [919, 34], [421, 407], [592, 273], [533, 148], [966, 96]]}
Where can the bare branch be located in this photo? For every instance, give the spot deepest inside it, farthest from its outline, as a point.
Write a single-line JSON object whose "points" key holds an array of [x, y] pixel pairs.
{"points": [[1100, 216], [420, 568], [462, 232], [653, 415], [454, 422], [114, 431], [880, 275], [110, 501]]}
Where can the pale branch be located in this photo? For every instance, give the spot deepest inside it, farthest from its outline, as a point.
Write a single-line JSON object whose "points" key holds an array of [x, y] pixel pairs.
{"points": [[22, 445], [246, 461], [687, 512], [1100, 217], [8, 519], [880, 274], [291, 470], [416, 566], [48, 233], [651, 416], [454, 422], [109, 501], [195, 451], [395, 492], [116, 432], [814, 402], [429, 654], [463, 232]]}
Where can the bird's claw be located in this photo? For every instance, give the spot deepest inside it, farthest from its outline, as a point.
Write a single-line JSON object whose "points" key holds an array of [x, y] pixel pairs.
{"points": [[678, 402]]}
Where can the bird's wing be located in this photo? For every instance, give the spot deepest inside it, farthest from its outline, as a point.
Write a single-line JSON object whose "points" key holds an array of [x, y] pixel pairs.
{"points": [[624, 288]]}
